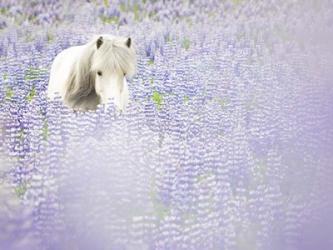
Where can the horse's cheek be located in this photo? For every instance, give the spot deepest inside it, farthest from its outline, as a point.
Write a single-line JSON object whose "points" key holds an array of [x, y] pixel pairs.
{"points": [[103, 90], [98, 87]]}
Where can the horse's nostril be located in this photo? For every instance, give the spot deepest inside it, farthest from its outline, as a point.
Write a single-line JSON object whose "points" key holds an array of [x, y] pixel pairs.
{"points": [[99, 73]]}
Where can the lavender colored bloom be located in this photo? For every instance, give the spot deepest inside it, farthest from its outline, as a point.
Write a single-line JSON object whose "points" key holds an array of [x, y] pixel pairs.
{"points": [[226, 143]]}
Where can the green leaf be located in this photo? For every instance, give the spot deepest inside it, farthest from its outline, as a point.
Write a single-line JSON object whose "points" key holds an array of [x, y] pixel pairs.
{"points": [[168, 38], [21, 189], [21, 134], [204, 177], [110, 20], [237, 1], [50, 37], [222, 102], [3, 11], [150, 62], [158, 99], [106, 3], [122, 7], [31, 94], [34, 73], [9, 93], [186, 43], [136, 12], [161, 211], [152, 14]]}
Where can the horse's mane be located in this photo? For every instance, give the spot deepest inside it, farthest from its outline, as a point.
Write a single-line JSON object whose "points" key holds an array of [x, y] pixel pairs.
{"points": [[112, 54]]}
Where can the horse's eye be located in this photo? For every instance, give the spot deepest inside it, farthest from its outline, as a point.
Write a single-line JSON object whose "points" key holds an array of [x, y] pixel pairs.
{"points": [[99, 73]]}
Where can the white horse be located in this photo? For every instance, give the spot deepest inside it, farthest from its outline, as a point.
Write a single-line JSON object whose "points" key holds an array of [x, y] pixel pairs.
{"points": [[87, 75]]}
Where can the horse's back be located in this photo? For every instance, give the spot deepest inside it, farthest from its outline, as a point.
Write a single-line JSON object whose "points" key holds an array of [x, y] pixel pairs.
{"points": [[61, 69]]}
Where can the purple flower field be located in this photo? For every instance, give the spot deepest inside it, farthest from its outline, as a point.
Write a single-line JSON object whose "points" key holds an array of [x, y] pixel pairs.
{"points": [[227, 142]]}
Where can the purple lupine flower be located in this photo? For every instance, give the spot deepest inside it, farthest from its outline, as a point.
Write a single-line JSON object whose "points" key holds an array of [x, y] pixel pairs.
{"points": [[226, 143]]}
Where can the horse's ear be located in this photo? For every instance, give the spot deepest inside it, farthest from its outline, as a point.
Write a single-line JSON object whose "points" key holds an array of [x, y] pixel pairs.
{"points": [[99, 42], [128, 42]]}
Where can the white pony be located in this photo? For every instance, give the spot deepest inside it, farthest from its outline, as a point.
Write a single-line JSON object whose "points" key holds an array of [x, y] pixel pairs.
{"points": [[87, 75]]}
